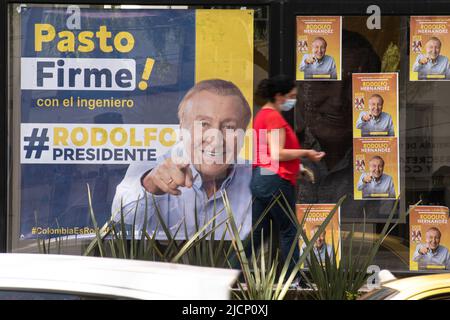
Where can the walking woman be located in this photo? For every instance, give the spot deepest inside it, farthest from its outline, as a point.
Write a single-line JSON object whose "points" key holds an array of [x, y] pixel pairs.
{"points": [[276, 162]]}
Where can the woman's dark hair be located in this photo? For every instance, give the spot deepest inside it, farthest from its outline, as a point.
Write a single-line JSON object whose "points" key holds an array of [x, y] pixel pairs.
{"points": [[269, 88]]}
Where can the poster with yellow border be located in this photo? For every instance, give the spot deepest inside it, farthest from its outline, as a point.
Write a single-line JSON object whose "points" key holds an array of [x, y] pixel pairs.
{"points": [[429, 242], [429, 47], [318, 48], [375, 104], [315, 216], [376, 168]]}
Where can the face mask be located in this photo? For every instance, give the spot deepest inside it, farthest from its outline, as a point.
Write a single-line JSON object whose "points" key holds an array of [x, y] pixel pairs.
{"points": [[288, 105]]}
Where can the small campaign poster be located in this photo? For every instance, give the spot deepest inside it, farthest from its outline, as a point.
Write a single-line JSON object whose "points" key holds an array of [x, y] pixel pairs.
{"points": [[429, 242], [318, 49], [375, 105], [329, 241], [376, 168], [429, 48]]}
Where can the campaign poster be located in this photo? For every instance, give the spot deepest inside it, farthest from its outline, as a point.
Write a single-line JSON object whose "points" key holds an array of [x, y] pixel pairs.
{"points": [[100, 107], [429, 242], [429, 48], [376, 168], [315, 216], [318, 49], [375, 105]]}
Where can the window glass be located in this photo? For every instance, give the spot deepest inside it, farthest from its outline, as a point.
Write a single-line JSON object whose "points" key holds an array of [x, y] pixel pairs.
{"points": [[323, 121]]}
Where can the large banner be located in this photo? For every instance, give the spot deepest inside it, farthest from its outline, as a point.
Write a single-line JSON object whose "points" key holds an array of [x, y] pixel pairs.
{"points": [[429, 48], [315, 216], [100, 107], [375, 136], [319, 48], [429, 244]]}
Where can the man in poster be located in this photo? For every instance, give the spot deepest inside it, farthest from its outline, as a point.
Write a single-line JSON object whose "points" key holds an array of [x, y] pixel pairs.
{"points": [[432, 63], [318, 63], [376, 183], [375, 122], [431, 252], [179, 190]]}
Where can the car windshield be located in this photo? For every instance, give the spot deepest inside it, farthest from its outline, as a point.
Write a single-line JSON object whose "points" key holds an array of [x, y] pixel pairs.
{"points": [[379, 294]]}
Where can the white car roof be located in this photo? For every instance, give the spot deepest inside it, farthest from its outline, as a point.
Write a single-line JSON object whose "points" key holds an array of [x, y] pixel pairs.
{"points": [[113, 277]]}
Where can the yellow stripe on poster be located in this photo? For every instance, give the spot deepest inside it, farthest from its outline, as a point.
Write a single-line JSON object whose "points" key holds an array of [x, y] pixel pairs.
{"points": [[224, 50], [321, 76], [378, 133], [435, 76]]}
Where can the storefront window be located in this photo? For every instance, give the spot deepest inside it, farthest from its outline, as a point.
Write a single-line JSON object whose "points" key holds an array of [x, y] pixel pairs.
{"points": [[46, 195]]}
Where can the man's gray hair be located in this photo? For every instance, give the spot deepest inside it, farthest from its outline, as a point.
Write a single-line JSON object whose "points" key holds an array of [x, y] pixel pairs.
{"points": [[437, 40], [317, 227], [377, 158], [221, 88], [321, 39]]}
